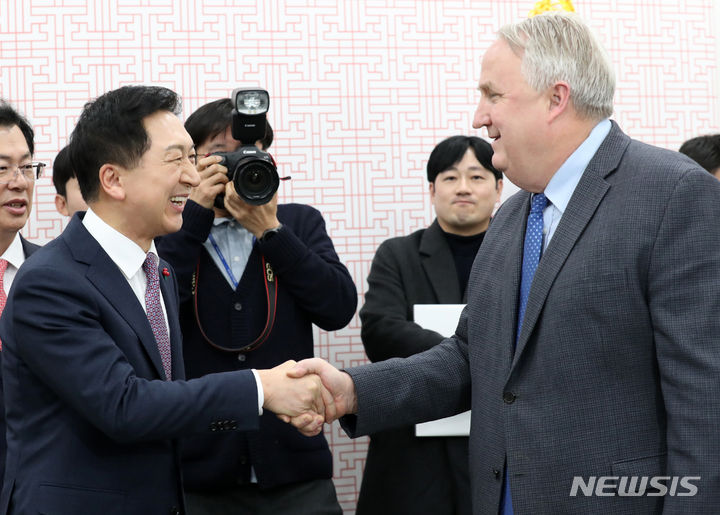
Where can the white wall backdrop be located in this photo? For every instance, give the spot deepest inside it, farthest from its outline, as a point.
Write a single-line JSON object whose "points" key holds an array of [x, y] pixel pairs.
{"points": [[361, 91]]}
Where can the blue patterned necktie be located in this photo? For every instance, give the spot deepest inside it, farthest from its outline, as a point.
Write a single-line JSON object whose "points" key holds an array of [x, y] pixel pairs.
{"points": [[531, 257], [155, 314], [531, 252]]}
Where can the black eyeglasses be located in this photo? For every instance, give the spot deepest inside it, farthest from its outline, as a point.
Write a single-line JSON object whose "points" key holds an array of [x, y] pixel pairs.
{"points": [[30, 171]]}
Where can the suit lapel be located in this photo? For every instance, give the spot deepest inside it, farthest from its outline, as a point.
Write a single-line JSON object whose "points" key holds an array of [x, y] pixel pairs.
{"points": [[28, 248], [104, 274], [582, 206], [439, 265]]}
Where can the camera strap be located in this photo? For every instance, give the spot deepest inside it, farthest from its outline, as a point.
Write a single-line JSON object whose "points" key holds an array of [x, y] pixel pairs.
{"points": [[271, 286]]}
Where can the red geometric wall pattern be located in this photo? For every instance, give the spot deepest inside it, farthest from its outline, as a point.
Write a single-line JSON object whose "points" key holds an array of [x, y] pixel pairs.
{"points": [[360, 94]]}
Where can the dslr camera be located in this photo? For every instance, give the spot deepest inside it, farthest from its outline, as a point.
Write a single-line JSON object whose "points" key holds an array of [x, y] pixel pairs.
{"points": [[252, 171]]}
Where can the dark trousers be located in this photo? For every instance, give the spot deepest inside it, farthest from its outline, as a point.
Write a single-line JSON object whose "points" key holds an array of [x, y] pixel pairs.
{"points": [[406, 475], [307, 498]]}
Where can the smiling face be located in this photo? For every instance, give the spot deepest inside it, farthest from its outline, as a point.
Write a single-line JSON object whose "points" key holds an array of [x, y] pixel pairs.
{"points": [[464, 196], [516, 118], [16, 195], [154, 193]]}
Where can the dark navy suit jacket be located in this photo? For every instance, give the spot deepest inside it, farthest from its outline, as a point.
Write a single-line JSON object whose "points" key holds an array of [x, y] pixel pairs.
{"points": [[91, 420], [28, 249]]}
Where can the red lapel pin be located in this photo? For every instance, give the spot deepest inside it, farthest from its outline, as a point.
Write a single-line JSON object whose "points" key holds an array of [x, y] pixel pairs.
{"points": [[166, 272]]}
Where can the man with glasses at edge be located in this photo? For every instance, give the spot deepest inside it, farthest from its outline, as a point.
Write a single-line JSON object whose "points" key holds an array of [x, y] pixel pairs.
{"points": [[17, 181]]}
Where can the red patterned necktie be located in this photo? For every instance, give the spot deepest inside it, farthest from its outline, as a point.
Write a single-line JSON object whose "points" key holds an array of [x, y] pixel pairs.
{"points": [[155, 313], [3, 296]]}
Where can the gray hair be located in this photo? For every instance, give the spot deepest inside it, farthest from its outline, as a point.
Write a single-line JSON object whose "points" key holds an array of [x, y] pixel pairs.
{"points": [[560, 46]]}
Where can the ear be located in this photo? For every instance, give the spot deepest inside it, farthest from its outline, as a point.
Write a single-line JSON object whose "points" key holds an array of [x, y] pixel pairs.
{"points": [[61, 204], [499, 189], [559, 99], [431, 186], [111, 183]]}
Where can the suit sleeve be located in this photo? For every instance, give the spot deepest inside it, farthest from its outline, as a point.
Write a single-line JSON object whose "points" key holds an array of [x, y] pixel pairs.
{"points": [[399, 392], [182, 249], [684, 300], [308, 267], [387, 327], [56, 327]]}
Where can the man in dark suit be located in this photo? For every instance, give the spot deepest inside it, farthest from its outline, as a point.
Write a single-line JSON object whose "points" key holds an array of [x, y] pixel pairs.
{"points": [[592, 370], [404, 473], [92, 362], [17, 181], [221, 255]]}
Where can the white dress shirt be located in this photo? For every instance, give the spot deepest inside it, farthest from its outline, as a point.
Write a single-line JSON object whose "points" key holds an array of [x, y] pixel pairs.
{"points": [[126, 254], [129, 258], [562, 185], [15, 257]]}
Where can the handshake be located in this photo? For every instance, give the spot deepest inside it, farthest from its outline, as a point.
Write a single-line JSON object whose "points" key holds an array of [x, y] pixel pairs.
{"points": [[308, 394]]}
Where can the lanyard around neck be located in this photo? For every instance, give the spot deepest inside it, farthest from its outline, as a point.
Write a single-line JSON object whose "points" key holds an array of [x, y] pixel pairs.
{"points": [[224, 262]]}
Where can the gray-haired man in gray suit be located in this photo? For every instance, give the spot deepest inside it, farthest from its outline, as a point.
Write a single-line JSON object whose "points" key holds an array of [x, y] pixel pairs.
{"points": [[605, 398]]}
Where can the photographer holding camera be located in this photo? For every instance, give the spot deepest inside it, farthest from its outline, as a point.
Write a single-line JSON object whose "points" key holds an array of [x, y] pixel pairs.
{"points": [[254, 276]]}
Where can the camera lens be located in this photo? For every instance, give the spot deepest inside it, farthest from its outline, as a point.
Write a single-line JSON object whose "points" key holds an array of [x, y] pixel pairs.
{"points": [[256, 180]]}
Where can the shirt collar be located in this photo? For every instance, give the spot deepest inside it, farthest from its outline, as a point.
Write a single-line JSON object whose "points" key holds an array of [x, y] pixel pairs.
{"points": [[221, 220], [15, 254], [562, 185], [124, 252]]}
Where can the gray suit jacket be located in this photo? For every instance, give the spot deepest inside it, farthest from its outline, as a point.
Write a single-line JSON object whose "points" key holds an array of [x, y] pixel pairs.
{"points": [[617, 367]]}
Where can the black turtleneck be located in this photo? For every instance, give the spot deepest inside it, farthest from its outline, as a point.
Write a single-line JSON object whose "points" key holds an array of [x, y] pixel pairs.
{"points": [[463, 249]]}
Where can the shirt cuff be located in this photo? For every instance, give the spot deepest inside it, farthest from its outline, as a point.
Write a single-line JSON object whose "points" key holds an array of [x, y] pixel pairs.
{"points": [[261, 392]]}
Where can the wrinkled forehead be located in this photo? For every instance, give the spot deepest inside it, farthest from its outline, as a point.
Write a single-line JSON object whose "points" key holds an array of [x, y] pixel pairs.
{"points": [[499, 62]]}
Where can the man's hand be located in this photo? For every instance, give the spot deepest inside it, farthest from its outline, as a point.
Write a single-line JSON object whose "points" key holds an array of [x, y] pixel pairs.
{"points": [[339, 385], [256, 219], [213, 177], [300, 400]]}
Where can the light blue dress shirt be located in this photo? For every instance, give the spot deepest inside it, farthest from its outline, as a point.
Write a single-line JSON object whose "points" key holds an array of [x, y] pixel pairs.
{"points": [[235, 243], [562, 185]]}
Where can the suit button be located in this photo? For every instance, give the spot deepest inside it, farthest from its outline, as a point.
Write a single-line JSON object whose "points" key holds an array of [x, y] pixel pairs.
{"points": [[243, 460], [496, 473], [238, 306], [174, 511], [509, 397], [241, 357]]}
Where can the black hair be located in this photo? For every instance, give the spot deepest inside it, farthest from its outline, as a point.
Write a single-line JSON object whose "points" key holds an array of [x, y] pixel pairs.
{"points": [[215, 117], [450, 151], [705, 150], [9, 117], [62, 171], [267, 140], [209, 120], [111, 130]]}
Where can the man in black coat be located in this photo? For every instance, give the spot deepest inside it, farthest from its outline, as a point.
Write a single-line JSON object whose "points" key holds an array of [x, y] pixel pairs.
{"points": [[405, 473], [228, 295]]}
